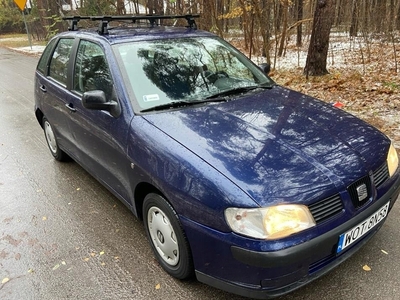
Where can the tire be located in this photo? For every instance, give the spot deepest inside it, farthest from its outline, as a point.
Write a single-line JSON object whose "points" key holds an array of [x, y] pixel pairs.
{"points": [[51, 141], [167, 238]]}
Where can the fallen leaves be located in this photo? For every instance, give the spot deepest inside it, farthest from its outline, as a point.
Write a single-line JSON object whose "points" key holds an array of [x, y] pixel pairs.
{"points": [[5, 280], [93, 255], [158, 286], [366, 268], [58, 265]]}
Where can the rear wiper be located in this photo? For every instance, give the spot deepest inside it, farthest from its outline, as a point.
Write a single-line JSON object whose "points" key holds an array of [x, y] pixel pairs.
{"points": [[182, 103], [239, 90]]}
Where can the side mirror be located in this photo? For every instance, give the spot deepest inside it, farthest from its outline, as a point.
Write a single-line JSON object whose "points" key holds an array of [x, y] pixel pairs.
{"points": [[97, 100], [266, 68]]}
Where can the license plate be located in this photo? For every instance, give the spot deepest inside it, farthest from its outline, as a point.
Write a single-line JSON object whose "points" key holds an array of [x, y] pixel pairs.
{"points": [[358, 231]]}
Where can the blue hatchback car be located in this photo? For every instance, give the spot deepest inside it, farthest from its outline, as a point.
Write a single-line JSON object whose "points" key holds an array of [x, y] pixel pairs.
{"points": [[249, 186]]}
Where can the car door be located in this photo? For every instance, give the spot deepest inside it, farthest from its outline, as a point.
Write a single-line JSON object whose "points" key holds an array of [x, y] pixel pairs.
{"points": [[100, 137], [51, 88]]}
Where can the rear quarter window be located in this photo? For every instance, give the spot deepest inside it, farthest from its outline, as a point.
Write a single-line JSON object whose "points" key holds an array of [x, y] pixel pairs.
{"points": [[42, 66]]}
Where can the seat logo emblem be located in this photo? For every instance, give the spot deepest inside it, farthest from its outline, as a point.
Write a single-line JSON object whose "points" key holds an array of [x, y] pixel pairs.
{"points": [[362, 192]]}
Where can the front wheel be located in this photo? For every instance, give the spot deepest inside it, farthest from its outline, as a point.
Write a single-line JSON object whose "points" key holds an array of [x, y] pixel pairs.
{"points": [[166, 236], [51, 141]]}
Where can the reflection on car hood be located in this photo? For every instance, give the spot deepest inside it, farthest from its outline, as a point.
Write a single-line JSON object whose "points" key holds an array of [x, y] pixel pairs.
{"points": [[278, 145]]}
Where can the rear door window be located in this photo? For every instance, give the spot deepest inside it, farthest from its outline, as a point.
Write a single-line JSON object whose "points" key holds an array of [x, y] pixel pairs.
{"points": [[44, 59], [60, 59]]}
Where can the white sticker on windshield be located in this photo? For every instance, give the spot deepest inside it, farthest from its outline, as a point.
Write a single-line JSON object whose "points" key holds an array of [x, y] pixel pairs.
{"points": [[149, 98]]}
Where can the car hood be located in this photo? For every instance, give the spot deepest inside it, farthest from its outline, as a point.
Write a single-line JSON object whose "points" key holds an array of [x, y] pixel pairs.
{"points": [[278, 145]]}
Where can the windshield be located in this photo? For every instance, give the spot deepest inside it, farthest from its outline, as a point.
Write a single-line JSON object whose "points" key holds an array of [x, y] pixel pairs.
{"points": [[159, 72]]}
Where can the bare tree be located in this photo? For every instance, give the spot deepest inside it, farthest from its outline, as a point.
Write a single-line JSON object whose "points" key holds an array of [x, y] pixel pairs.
{"points": [[398, 17], [284, 7], [121, 7], [319, 42], [354, 18], [299, 18]]}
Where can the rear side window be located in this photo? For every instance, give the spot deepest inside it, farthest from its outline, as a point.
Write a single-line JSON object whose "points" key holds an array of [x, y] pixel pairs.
{"points": [[60, 59], [44, 59]]}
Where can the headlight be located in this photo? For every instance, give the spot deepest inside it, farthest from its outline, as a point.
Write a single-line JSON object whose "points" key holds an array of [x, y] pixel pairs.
{"points": [[392, 160], [270, 222]]}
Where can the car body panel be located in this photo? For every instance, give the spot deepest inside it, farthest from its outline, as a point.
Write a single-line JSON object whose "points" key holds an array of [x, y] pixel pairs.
{"points": [[277, 143], [54, 101]]}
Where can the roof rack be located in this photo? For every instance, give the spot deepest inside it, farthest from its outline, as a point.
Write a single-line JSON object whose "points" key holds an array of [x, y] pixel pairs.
{"points": [[74, 21], [104, 20]]}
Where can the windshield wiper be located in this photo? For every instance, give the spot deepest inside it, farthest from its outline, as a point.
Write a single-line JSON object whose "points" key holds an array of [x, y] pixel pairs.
{"points": [[182, 103], [239, 90]]}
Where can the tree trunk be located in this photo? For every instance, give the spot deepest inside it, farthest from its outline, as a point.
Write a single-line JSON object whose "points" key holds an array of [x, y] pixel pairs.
{"points": [[245, 24], [339, 12], [378, 10], [156, 7], [319, 42], [121, 7], [279, 12], [354, 19], [299, 10], [207, 19], [262, 15], [284, 7], [398, 18], [391, 16]]}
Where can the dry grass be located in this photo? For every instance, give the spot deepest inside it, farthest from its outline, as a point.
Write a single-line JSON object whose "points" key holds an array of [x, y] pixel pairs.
{"points": [[17, 40]]}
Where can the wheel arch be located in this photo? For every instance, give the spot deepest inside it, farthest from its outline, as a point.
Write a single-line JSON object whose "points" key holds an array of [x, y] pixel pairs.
{"points": [[141, 191], [39, 116]]}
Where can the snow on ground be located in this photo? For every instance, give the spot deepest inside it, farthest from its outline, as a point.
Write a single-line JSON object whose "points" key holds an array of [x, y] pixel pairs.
{"points": [[344, 52], [35, 50]]}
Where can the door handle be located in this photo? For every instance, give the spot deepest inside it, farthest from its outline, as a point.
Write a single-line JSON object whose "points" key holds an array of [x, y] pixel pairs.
{"points": [[43, 88], [70, 107]]}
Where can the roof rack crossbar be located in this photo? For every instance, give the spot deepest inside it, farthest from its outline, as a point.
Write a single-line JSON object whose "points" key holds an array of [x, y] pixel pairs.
{"points": [[104, 20]]}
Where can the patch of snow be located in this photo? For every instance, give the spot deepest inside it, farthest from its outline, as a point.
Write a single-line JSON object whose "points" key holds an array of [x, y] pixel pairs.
{"points": [[37, 50], [14, 39]]}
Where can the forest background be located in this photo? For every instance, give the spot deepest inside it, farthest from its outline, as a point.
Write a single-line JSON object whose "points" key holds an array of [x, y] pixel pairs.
{"points": [[344, 52]]}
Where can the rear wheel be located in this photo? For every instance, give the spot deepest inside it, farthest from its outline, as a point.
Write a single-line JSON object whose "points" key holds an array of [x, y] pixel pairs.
{"points": [[51, 140], [166, 236]]}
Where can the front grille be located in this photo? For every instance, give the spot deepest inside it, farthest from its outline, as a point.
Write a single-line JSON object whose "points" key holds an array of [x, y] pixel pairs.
{"points": [[354, 193], [326, 208], [381, 174]]}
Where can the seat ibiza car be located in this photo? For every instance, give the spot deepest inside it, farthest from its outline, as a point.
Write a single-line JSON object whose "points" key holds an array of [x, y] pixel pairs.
{"points": [[248, 186]]}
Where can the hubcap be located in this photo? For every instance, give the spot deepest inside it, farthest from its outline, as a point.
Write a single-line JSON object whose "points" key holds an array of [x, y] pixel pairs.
{"points": [[50, 138], [163, 236]]}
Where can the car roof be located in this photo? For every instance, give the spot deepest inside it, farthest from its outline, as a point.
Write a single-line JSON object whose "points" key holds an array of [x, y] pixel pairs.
{"points": [[129, 32], [123, 35]]}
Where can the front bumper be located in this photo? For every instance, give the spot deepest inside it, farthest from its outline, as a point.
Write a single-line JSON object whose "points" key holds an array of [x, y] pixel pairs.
{"points": [[264, 275]]}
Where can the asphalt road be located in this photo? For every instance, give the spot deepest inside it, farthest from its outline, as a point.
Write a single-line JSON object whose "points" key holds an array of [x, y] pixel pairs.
{"points": [[64, 236]]}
